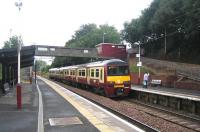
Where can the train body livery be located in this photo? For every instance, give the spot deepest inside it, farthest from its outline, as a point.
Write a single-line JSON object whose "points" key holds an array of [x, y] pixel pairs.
{"points": [[109, 77]]}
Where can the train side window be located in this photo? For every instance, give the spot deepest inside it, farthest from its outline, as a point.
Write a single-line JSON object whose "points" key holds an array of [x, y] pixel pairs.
{"points": [[71, 72], [79, 72], [92, 72], [83, 72], [97, 72]]}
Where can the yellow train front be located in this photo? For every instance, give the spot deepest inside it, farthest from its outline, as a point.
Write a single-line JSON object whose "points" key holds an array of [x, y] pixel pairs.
{"points": [[110, 76]]}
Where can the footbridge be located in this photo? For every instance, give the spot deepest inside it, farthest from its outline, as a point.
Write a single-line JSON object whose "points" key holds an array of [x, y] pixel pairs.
{"points": [[42, 50], [8, 57]]}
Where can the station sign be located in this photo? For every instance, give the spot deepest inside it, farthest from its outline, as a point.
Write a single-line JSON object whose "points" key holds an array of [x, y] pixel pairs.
{"points": [[137, 55], [139, 64]]}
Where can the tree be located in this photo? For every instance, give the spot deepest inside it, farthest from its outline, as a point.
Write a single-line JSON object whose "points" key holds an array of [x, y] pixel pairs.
{"points": [[176, 21], [90, 35], [87, 36], [45, 69], [40, 65], [13, 42]]}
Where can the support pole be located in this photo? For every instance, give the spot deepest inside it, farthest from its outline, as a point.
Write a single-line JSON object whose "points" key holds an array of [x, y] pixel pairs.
{"points": [[18, 66], [139, 66], [13, 77], [35, 71], [3, 78], [19, 97], [8, 74], [165, 41]]}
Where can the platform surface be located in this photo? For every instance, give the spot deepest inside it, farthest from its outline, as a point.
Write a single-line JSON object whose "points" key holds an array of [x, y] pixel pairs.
{"points": [[64, 103], [15, 120], [172, 92]]}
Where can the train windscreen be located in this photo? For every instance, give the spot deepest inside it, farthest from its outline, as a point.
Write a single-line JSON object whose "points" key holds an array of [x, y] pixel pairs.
{"points": [[118, 70]]}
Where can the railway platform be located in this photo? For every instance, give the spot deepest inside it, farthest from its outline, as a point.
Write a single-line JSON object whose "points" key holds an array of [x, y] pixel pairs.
{"points": [[60, 103], [19, 120], [172, 92], [182, 100], [48, 107]]}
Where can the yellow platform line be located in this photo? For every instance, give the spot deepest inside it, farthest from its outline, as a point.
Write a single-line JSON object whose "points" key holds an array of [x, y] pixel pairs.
{"points": [[91, 117]]}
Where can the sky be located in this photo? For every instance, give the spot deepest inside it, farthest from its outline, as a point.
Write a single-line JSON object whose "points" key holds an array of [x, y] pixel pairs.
{"points": [[53, 22]]}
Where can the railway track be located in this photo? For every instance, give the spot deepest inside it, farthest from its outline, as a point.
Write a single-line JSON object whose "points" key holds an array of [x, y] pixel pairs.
{"points": [[143, 119], [187, 121]]}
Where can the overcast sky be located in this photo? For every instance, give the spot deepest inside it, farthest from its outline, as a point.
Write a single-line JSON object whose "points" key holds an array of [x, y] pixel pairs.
{"points": [[53, 22]]}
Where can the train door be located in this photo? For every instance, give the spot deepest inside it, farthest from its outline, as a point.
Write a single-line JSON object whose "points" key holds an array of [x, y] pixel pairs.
{"points": [[101, 75], [88, 75]]}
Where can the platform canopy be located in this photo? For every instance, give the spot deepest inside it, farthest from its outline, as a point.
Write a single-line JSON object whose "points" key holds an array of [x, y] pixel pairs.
{"points": [[8, 56]]}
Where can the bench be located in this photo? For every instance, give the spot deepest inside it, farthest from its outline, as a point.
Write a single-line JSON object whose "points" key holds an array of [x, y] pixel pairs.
{"points": [[156, 82], [6, 88]]}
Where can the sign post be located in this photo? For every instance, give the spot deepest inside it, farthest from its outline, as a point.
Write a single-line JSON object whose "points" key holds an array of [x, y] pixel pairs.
{"points": [[139, 64]]}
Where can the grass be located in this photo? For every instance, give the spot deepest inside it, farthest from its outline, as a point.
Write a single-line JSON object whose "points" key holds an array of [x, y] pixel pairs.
{"points": [[135, 69]]}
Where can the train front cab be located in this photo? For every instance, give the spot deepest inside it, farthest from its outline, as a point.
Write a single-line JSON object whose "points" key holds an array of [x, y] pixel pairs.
{"points": [[117, 80]]}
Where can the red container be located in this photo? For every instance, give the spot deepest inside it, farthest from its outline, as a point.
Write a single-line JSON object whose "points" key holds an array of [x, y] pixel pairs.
{"points": [[112, 50]]}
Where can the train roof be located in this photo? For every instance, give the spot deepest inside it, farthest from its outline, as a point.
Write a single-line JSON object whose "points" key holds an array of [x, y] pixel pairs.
{"points": [[93, 64], [107, 62], [53, 69], [68, 67]]}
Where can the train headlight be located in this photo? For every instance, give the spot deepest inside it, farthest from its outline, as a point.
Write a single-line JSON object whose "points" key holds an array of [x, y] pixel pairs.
{"points": [[111, 83], [127, 83]]}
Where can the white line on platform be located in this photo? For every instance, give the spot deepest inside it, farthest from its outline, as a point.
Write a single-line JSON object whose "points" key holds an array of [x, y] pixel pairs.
{"points": [[40, 111]]}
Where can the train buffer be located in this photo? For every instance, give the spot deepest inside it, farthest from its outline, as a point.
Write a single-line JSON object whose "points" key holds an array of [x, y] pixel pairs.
{"points": [[155, 82]]}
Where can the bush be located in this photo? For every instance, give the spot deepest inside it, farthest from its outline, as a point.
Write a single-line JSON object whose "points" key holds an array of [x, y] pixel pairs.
{"points": [[135, 69]]}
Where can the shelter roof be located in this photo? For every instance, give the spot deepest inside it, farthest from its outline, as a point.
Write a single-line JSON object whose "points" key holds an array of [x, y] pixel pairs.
{"points": [[9, 56]]}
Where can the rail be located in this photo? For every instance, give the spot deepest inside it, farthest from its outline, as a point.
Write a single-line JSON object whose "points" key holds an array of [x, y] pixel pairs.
{"points": [[190, 71]]}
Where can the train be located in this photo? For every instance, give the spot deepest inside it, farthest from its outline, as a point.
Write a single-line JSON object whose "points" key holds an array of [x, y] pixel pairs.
{"points": [[109, 77]]}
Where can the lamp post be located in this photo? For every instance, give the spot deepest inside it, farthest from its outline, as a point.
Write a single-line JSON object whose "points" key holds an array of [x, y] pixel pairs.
{"points": [[19, 97], [18, 5], [139, 64]]}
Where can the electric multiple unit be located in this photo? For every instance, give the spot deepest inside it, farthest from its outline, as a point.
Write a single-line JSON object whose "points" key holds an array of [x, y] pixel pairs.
{"points": [[109, 77]]}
